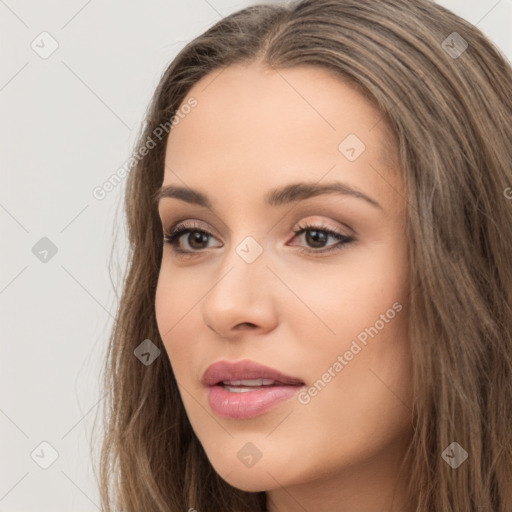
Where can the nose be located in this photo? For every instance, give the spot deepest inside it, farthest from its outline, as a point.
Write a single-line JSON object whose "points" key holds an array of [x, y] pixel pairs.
{"points": [[242, 298]]}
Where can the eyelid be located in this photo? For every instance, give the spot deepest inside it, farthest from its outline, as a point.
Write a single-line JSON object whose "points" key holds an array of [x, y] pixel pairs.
{"points": [[306, 218], [310, 223], [181, 228], [191, 224]]}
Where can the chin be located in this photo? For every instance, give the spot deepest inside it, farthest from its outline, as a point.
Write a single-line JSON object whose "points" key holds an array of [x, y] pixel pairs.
{"points": [[250, 481]]}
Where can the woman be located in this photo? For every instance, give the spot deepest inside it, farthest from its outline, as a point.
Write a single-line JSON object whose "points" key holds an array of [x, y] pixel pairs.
{"points": [[317, 311]]}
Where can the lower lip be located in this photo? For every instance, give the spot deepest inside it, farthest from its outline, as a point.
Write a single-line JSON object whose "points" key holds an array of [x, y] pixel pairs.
{"points": [[249, 404]]}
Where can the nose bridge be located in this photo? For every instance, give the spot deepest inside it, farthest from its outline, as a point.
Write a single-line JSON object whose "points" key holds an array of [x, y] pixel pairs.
{"points": [[240, 293], [243, 269], [246, 251]]}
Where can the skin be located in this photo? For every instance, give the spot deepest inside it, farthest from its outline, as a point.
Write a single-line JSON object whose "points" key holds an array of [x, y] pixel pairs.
{"points": [[255, 129]]}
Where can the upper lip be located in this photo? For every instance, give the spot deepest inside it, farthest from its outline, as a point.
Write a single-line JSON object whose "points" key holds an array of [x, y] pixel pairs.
{"points": [[246, 369]]}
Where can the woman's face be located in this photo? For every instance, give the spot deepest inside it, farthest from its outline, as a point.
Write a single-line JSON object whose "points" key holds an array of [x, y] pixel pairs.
{"points": [[329, 310]]}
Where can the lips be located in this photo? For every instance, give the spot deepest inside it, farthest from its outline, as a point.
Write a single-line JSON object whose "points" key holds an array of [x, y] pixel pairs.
{"points": [[244, 389], [246, 373]]}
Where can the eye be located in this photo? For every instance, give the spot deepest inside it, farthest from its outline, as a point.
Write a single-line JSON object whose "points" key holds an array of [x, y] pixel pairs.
{"points": [[317, 236], [196, 239]]}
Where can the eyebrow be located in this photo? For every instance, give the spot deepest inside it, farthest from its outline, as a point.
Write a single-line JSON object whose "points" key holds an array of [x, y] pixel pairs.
{"points": [[277, 197]]}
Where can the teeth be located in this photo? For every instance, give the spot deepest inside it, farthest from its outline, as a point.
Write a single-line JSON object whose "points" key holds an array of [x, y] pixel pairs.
{"points": [[239, 390], [249, 382]]}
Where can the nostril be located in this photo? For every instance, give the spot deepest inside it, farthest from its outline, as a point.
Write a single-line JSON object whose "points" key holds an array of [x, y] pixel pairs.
{"points": [[243, 325]]}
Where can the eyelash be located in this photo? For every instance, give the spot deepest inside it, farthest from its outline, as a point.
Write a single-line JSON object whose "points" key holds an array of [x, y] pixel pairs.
{"points": [[181, 229]]}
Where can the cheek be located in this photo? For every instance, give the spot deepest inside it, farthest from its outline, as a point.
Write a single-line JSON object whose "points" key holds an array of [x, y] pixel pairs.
{"points": [[359, 360], [174, 310], [358, 398], [368, 287]]}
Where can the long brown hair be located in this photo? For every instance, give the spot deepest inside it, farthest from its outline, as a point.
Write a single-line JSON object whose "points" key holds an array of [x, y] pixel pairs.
{"points": [[450, 107]]}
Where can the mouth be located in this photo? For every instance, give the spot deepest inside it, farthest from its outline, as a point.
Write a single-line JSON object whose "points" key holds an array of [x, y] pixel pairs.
{"points": [[246, 374], [245, 389], [243, 385]]}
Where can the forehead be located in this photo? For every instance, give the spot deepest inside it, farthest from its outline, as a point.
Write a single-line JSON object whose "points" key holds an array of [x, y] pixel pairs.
{"points": [[253, 124]]}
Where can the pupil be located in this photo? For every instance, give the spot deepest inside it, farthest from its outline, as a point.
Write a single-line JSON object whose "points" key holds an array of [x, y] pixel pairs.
{"points": [[196, 236], [314, 236]]}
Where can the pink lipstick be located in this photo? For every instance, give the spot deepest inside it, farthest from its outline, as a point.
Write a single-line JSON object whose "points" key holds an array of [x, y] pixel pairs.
{"points": [[245, 389]]}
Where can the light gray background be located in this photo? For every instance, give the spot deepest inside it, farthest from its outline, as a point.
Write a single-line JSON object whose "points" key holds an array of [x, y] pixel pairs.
{"points": [[68, 122]]}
